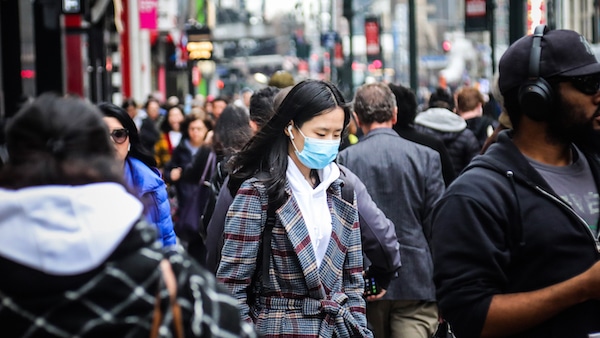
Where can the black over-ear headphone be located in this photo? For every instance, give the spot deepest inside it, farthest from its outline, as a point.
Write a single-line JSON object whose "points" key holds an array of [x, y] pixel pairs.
{"points": [[535, 95]]}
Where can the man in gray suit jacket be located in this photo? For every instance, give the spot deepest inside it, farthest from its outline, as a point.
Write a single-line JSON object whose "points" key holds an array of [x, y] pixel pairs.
{"points": [[405, 180]]}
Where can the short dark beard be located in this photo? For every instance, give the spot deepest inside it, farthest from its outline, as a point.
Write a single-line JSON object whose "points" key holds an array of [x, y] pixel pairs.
{"points": [[564, 127]]}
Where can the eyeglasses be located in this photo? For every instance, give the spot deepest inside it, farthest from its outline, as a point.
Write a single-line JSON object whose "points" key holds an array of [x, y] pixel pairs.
{"points": [[589, 85], [119, 135]]}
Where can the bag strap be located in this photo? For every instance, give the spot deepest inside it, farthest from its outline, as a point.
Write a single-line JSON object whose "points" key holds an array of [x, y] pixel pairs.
{"points": [[348, 191], [168, 277], [210, 164], [267, 235]]}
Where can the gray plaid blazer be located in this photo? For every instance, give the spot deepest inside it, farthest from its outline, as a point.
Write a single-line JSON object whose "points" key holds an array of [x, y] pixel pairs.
{"points": [[299, 297]]}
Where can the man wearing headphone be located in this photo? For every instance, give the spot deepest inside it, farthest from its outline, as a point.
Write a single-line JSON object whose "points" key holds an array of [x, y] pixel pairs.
{"points": [[515, 237]]}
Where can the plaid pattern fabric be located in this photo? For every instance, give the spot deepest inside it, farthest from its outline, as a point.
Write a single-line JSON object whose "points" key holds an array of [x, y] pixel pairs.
{"points": [[116, 299], [299, 299]]}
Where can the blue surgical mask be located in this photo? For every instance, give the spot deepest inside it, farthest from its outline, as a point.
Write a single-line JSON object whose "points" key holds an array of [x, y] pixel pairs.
{"points": [[317, 153]]}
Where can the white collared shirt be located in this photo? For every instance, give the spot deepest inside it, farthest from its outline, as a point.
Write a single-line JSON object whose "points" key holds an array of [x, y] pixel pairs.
{"points": [[313, 204]]}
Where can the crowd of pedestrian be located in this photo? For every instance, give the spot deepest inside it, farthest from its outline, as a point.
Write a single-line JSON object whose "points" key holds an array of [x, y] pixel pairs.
{"points": [[294, 212]]}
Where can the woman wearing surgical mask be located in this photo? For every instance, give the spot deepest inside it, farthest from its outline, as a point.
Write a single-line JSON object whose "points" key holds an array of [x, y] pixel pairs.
{"points": [[307, 279]]}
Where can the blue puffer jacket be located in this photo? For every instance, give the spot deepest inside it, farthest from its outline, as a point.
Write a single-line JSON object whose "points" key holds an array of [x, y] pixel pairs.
{"points": [[151, 189]]}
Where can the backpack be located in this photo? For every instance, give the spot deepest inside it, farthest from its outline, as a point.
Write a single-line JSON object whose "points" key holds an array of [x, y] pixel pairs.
{"points": [[214, 187]]}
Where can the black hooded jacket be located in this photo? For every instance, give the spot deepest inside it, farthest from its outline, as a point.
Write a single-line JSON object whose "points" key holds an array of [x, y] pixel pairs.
{"points": [[501, 229]]}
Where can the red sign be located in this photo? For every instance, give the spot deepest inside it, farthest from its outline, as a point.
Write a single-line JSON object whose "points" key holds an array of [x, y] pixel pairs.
{"points": [[196, 76], [476, 16], [475, 8], [372, 36], [148, 10], [338, 54]]}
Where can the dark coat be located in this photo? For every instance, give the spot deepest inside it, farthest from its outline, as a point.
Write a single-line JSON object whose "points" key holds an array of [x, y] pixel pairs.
{"points": [[462, 146], [149, 134], [73, 286], [501, 229], [411, 134], [480, 126], [405, 185]]}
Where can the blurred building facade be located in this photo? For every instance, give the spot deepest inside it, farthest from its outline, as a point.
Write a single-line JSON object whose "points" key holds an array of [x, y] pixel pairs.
{"points": [[105, 50]]}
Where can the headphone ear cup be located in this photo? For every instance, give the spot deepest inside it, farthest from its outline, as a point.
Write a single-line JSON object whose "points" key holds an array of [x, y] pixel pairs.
{"points": [[535, 99]]}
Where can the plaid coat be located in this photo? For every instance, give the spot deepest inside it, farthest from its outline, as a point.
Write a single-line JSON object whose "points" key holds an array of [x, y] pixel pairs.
{"points": [[299, 299]]}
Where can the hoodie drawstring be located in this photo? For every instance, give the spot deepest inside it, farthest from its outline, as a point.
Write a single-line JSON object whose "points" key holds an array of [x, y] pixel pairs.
{"points": [[518, 237]]}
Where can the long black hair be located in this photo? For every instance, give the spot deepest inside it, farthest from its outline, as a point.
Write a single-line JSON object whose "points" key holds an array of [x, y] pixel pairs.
{"points": [[267, 151], [232, 131], [137, 150], [58, 141]]}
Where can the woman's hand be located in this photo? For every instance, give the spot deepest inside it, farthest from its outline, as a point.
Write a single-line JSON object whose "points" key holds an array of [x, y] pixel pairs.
{"points": [[175, 174], [378, 296]]}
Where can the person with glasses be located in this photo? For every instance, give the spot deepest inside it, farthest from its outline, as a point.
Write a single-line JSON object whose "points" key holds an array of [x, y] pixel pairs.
{"points": [[139, 170], [515, 238], [77, 258]]}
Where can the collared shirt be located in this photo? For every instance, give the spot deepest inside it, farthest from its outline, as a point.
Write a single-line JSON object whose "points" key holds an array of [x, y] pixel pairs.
{"points": [[313, 204]]}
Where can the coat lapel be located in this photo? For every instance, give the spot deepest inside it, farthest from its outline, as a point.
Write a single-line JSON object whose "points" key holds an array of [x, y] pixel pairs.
{"points": [[294, 225], [344, 216]]}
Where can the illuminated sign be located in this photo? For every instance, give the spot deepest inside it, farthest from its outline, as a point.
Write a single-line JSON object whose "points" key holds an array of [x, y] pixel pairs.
{"points": [[200, 50], [71, 6], [199, 45]]}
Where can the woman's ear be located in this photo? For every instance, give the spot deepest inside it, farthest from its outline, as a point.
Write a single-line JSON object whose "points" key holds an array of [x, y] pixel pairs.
{"points": [[289, 133]]}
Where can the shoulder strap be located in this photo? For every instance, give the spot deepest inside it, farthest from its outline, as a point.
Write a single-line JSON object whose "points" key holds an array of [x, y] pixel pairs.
{"points": [[266, 245], [168, 277], [208, 168], [347, 188]]}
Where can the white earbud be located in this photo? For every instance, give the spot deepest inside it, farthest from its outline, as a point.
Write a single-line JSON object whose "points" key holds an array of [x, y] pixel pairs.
{"points": [[290, 131], [128, 147]]}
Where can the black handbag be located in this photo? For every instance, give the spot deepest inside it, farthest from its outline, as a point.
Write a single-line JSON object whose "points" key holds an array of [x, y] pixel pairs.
{"points": [[190, 215]]}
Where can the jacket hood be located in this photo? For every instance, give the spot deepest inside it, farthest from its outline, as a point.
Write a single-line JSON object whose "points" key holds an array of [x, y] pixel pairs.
{"points": [[495, 159], [65, 230], [441, 119]]}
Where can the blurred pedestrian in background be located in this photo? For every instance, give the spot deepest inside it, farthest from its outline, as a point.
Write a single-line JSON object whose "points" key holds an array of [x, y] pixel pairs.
{"points": [[196, 129], [136, 114], [469, 106], [218, 104], [439, 120], [170, 136], [150, 128]]}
